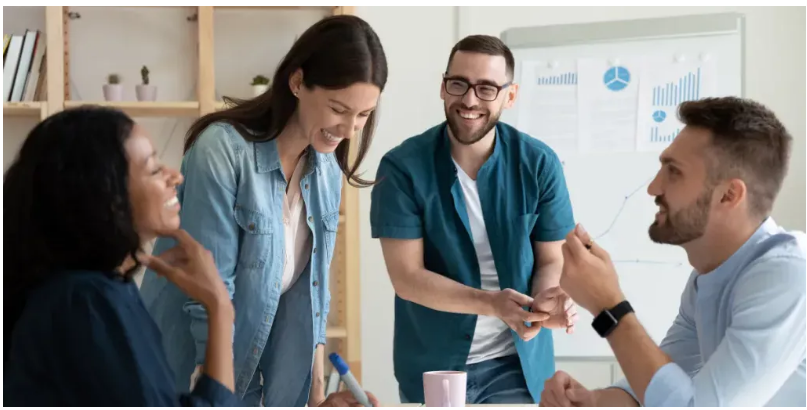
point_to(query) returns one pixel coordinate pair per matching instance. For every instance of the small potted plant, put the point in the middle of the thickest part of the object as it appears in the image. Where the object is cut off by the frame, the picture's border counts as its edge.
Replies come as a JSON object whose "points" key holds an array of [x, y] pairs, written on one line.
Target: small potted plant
{"points": [[146, 91], [259, 85], [113, 90]]}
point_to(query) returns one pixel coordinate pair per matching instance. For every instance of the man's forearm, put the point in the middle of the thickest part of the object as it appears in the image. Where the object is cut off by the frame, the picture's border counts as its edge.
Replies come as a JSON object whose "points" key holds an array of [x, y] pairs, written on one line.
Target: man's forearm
{"points": [[613, 397], [437, 292], [546, 276], [637, 354]]}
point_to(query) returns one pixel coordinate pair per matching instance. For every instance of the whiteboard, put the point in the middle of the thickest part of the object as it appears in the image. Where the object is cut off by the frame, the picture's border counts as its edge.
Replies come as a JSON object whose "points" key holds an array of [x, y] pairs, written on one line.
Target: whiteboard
{"points": [[609, 190]]}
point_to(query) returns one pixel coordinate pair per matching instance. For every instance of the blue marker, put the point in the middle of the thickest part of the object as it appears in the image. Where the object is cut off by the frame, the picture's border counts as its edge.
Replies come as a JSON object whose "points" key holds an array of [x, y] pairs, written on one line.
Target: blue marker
{"points": [[350, 381]]}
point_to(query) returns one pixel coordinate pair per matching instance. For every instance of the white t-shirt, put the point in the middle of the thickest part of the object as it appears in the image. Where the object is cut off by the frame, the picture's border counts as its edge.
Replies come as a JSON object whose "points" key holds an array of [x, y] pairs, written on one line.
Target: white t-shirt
{"points": [[298, 235], [492, 337]]}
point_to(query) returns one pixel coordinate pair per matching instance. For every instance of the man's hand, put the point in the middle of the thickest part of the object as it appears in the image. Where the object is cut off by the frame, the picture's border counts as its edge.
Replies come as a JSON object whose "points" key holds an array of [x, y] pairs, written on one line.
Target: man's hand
{"points": [[560, 308], [346, 399], [561, 390], [508, 305], [588, 275]]}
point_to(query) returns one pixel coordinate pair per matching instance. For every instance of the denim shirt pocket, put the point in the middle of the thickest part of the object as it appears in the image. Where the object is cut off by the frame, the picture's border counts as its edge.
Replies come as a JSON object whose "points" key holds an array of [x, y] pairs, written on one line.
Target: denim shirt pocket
{"points": [[256, 228]]}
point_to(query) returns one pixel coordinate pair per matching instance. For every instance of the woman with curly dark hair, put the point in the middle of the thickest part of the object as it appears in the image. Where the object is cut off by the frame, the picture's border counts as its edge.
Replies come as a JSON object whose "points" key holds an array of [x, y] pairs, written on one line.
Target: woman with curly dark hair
{"points": [[84, 193]]}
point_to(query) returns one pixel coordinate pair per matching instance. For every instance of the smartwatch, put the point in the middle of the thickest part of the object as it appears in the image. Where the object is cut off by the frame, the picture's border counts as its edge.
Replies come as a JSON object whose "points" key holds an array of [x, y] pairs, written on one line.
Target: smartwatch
{"points": [[608, 319]]}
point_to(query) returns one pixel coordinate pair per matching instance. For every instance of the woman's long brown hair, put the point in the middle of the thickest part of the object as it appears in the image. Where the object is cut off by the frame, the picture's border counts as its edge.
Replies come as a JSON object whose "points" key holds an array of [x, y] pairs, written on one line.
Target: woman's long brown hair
{"points": [[334, 53]]}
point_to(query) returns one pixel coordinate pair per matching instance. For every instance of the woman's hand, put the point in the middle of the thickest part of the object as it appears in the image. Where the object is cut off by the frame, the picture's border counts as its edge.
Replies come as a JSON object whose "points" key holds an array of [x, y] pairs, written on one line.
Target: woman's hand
{"points": [[191, 268]]}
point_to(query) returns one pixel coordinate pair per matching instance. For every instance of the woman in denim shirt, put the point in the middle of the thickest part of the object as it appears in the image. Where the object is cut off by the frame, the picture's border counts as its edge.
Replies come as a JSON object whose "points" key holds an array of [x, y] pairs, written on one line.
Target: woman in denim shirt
{"points": [[262, 188]]}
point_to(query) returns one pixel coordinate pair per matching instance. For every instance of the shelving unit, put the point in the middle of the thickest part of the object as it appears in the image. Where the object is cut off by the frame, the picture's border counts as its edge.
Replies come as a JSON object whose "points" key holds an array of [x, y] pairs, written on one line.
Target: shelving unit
{"points": [[344, 331], [147, 108], [25, 109]]}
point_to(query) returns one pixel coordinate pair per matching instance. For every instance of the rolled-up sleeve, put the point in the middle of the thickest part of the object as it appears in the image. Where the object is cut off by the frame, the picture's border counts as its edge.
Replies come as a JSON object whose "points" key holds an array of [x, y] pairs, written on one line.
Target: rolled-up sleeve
{"points": [[555, 216], [394, 212]]}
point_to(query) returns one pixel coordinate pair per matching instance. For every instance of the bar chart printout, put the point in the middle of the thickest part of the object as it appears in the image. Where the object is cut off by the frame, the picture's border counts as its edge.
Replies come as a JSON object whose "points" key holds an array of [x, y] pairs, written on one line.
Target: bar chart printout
{"points": [[668, 83], [547, 103], [687, 88]]}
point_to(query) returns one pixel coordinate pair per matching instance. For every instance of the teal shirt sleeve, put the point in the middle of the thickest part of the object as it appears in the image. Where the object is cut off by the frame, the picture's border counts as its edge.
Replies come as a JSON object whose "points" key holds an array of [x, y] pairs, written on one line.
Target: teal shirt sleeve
{"points": [[208, 200], [555, 216], [394, 213]]}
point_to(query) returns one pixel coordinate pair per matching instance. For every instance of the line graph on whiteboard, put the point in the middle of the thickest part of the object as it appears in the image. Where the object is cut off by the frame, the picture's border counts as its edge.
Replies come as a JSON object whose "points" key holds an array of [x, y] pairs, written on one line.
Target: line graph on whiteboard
{"points": [[620, 215]]}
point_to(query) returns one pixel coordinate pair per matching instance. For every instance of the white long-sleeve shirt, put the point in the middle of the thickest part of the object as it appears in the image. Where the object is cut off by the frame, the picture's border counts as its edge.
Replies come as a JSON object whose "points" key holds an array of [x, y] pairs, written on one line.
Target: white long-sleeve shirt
{"points": [[739, 338]]}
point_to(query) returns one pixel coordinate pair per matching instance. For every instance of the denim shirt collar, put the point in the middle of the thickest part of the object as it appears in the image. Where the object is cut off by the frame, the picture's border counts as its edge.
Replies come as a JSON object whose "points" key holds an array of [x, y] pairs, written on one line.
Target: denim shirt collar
{"points": [[267, 158]]}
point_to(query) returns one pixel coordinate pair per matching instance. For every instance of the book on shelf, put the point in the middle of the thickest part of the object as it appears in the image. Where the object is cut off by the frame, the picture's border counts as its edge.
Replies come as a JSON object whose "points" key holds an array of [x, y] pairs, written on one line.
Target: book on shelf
{"points": [[24, 68]]}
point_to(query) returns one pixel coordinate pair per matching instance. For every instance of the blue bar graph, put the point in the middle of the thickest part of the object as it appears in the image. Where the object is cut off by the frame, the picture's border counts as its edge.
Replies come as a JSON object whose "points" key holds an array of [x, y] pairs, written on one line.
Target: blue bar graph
{"points": [[687, 88], [561, 79], [655, 136]]}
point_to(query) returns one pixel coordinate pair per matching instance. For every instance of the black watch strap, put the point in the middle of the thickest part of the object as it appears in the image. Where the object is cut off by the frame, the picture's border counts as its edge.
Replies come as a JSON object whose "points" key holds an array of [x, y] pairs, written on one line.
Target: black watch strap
{"points": [[608, 319]]}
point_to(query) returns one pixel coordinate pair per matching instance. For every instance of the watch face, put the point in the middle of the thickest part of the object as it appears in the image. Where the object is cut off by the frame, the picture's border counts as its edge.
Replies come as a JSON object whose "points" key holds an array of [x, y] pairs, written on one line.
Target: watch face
{"points": [[604, 323]]}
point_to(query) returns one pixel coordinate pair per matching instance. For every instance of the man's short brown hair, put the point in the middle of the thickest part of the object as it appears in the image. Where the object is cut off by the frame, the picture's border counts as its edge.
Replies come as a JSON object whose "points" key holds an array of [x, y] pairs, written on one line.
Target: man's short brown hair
{"points": [[483, 44], [748, 142]]}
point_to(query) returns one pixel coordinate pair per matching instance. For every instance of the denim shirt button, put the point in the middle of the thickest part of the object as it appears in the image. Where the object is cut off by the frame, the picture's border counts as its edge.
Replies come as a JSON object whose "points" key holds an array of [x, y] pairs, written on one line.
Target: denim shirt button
{"points": [[306, 186], [317, 314], [310, 219], [251, 226], [316, 283], [315, 250]]}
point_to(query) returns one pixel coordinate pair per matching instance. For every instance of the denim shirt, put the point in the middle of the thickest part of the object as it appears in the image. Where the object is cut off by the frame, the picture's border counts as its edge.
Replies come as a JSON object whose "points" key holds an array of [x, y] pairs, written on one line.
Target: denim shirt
{"points": [[231, 202]]}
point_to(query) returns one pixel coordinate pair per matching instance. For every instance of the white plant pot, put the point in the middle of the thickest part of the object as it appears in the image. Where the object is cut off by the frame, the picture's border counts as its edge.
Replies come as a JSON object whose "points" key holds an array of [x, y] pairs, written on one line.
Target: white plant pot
{"points": [[113, 92], [259, 89], [146, 92]]}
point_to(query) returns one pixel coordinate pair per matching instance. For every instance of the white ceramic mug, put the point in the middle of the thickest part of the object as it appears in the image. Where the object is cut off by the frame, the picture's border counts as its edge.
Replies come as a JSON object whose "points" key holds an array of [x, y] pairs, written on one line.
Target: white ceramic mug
{"points": [[444, 388]]}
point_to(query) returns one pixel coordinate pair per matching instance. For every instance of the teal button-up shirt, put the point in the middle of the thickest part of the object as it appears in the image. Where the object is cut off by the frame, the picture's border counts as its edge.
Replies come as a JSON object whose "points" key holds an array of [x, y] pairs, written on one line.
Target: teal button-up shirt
{"points": [[524, 199]]}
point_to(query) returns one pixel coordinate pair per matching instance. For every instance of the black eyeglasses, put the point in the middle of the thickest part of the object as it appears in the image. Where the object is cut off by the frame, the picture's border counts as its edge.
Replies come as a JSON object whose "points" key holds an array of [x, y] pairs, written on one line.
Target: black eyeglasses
{"points": [[485, 92]]}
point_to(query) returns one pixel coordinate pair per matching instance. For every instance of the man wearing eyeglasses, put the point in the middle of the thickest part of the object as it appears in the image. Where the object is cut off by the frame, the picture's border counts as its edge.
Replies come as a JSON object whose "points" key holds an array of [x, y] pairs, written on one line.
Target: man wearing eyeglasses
{"points": [[471, 215]]}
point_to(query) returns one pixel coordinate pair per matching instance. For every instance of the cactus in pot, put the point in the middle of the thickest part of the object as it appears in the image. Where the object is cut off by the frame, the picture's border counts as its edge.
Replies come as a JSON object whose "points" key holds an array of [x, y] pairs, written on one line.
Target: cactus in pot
{"points": [[113, 90], [146, 91], [260, 84]]}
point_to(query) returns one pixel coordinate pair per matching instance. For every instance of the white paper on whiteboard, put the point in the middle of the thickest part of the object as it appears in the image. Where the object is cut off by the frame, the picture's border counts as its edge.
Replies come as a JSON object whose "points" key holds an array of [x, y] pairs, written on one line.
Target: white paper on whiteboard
{"points": [[666, 84], [547, 104], [607, 98]]}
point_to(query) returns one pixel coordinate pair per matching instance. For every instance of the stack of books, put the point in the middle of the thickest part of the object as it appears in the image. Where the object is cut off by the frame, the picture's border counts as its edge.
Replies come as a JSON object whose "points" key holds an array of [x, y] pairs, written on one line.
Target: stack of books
{"points": [[24, 66]]}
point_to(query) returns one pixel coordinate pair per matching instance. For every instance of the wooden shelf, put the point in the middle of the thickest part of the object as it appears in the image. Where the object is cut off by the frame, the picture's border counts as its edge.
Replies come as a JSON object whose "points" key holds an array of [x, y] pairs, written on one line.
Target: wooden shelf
{"points": [[219, 105], [24, 109], [335, 332], [146, 108]]}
